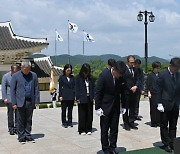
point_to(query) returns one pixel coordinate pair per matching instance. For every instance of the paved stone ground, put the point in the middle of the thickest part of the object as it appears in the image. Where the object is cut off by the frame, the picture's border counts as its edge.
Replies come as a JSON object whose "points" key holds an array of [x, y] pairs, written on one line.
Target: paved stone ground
{"points": [[52, 138]]}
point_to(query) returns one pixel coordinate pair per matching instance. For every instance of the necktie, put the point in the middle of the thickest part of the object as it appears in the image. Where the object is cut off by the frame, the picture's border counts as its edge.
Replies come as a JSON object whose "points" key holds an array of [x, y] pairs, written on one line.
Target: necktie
{"points": [[173, 78], [131, 71], [114, 80]]}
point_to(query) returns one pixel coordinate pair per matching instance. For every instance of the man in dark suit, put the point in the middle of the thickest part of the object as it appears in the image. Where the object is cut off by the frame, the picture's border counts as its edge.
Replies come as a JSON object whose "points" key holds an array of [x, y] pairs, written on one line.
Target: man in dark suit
{"points": [[24, 98], [132, 85], [140, 90], [6, 96], [111, 63], [168, 102], [109, 87], [152, 93]]}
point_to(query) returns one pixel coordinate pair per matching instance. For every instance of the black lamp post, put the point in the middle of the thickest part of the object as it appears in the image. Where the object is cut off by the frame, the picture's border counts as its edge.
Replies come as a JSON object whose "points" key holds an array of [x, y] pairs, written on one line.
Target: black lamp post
{"points": [[151, 19]]}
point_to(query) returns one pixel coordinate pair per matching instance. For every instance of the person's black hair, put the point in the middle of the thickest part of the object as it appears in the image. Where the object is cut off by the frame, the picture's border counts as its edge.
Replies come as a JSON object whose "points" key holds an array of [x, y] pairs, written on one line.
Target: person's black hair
{"points": [[175, 62], [120, 67], [138, 61], [13, 67], [111, 62], [156, 64], [130, 56], [66, 67], [85, 69]]}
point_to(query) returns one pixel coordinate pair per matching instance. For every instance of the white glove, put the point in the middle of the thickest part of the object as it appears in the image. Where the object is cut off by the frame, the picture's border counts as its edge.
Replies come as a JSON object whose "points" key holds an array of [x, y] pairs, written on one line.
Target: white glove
{"points": [[160, 108], [122, 110], [99, 112]]}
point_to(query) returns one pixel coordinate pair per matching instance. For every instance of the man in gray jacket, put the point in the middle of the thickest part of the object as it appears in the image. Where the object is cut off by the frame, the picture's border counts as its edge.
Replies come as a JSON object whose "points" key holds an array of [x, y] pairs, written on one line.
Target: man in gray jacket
{"points": [[25, 96], [11, 113]]}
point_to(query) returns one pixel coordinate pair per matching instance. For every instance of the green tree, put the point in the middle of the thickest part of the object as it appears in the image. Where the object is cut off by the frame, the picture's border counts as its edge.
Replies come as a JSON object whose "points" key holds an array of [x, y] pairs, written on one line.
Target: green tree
{"points": [[96, 68], [76, 69]]}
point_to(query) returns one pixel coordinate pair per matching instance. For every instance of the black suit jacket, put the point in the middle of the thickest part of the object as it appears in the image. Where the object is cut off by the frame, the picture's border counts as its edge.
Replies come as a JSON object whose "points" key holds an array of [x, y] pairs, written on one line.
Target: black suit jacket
{"points": [[140, 76], [168, 92], [152, 83], [81, 91], [107, 95], [130, 80], [67, 89]]}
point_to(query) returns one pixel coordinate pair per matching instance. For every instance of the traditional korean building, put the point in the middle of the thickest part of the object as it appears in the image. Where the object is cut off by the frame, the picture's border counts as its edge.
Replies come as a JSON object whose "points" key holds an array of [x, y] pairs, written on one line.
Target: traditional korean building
{"points": [[42, 67], [14, 48]]}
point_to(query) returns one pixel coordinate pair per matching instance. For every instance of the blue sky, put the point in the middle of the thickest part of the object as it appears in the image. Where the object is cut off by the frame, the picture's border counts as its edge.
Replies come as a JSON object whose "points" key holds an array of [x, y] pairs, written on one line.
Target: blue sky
{"points": [[112, 23]]}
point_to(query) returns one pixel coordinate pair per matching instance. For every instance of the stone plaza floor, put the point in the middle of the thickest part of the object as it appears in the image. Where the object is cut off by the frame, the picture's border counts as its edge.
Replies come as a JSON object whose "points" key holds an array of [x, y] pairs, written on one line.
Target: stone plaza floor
{"points": [[52, 138]]}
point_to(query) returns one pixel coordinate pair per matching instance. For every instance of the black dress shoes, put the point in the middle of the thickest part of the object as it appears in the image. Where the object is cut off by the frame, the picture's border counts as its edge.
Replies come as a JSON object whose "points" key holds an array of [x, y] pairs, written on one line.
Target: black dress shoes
{"points": [[133, 127], [138, 118], [107, 152], [110, 152], [154, 125], [158, 124], [70, 125], [11, 132], [65, 125], [171, 146], [168, 149], [113, 152], [127, 127]]}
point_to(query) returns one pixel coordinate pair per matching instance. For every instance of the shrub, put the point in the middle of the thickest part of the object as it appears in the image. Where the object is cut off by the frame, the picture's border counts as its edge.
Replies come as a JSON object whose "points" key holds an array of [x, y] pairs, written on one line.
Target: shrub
{"points": [[42, 106]]}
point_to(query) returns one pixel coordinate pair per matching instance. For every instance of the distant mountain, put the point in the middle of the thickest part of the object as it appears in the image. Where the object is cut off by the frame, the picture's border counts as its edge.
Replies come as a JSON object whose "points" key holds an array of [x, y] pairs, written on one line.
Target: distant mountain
{"points": [[37, 56], [80, 59]]}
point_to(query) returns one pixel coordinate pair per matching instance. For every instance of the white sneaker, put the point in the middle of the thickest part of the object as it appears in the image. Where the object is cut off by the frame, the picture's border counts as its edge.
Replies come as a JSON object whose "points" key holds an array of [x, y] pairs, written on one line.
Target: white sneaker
{"points": [[89, 133], [22, 142], [83, 133], [31, 140]]}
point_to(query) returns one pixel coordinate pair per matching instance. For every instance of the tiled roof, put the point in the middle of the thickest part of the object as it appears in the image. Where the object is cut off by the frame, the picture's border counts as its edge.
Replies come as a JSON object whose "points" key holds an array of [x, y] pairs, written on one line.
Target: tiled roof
{"points": [[10, 41], [42, 67]]}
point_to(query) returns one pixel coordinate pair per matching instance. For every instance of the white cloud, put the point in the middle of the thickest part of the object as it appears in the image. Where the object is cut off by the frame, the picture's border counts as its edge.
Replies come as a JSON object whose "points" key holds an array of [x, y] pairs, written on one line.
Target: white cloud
{"points": [[113, 24], [170, 17], [18, 17]]}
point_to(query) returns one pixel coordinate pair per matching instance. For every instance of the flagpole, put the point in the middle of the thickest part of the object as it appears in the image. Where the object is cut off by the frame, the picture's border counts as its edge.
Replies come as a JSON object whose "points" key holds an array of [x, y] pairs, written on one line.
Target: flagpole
{"points": [[68, 45], [83, 47], [55, 47], [83, 43]]}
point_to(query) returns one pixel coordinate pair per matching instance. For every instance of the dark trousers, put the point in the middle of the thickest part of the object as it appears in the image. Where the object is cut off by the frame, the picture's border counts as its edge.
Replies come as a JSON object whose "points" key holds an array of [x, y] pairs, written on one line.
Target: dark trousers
{"points": [[129, 116], [67, 104], [25, 120], [85, 117], [12, 118], [168, 118], [154, 113], [110, 122], [137, 104]]}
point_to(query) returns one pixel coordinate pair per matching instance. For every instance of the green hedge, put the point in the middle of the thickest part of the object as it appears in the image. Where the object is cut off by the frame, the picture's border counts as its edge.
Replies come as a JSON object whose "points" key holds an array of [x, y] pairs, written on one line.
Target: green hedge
{"points": [[50, 105]]}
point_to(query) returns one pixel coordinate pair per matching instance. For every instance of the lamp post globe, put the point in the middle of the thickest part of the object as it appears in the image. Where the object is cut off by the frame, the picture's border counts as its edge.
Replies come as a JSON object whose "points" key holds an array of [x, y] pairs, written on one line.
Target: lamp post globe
{"points": [[139, 17], [151, 17]]}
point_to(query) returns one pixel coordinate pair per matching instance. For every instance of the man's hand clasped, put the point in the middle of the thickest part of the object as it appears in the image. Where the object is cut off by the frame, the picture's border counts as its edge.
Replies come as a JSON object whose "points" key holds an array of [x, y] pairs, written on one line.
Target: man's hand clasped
{"points": [[99, 112], [160, 108], [122, 110], [133, 89]]}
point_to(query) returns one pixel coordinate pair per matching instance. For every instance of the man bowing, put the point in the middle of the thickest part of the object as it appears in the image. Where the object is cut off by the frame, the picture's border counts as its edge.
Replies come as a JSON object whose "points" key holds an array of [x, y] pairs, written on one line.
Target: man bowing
{"points": [[109, 92]]}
